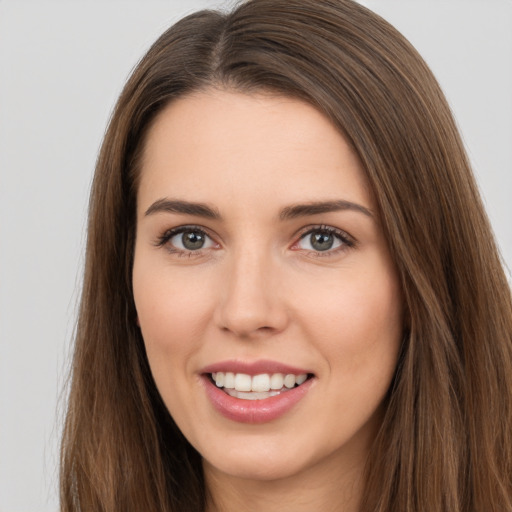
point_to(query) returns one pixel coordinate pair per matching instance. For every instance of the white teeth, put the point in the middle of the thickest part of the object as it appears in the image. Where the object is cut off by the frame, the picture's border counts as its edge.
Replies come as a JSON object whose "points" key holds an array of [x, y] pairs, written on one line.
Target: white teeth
{"points": [[300, 379], [229, 380], [252, 395], [289, 381], [262, 383], [219, 379], [277, 381], [243, 382]]}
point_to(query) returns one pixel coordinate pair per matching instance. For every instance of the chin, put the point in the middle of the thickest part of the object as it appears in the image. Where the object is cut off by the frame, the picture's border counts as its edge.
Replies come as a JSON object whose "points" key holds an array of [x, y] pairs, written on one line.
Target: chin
{"points": [[268, 458], [257, 467]]}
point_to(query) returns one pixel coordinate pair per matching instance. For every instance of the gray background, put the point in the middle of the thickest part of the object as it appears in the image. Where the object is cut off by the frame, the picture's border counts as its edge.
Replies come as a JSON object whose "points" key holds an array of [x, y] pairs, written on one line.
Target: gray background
{"points": [[62, 65]]}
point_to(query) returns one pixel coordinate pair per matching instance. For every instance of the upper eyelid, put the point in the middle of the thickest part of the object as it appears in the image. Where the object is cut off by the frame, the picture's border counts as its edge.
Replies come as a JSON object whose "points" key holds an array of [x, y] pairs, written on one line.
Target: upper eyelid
{"points": [[325, 227], [187, 227]]}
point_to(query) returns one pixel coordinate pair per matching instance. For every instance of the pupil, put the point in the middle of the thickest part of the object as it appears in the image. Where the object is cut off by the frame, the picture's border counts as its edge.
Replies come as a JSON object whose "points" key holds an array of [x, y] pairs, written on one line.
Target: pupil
{"points": [[192, 240], [321, 241]]}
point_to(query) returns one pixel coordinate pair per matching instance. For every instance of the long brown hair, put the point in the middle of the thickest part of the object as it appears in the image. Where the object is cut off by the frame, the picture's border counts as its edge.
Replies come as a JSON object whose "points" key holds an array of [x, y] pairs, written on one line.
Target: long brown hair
{"points": [[446, 439]]}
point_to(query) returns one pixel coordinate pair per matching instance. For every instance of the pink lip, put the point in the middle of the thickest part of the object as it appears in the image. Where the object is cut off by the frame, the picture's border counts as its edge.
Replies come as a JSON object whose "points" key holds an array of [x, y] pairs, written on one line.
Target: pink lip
{"points": [[253, 411], [252, 367]]}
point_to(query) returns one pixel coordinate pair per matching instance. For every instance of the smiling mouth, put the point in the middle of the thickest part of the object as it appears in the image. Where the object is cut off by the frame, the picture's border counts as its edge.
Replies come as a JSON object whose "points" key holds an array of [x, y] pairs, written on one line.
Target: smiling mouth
{"points": [[257, 387]]}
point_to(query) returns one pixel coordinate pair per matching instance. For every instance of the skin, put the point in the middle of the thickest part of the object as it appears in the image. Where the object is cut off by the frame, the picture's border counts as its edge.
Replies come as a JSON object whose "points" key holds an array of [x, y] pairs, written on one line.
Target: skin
{"points": [[259, 290]]}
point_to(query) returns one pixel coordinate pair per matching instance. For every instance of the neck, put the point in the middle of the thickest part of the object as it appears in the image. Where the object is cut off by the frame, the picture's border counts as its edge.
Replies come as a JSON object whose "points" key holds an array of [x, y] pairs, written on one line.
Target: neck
{"points": [[329, 488]]}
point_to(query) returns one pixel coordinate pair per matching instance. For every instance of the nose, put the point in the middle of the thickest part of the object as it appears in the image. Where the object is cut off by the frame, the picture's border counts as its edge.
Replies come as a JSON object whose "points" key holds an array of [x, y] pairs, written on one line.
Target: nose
{"points": [[250, 301]]}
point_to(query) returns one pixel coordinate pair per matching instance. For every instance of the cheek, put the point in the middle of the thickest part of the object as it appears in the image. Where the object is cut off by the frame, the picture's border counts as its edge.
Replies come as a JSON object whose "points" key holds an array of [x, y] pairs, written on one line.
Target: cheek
{"points": [[358, 332], [355, 304], [356, 321], [374, 317], [171, 316], [171, 312]]}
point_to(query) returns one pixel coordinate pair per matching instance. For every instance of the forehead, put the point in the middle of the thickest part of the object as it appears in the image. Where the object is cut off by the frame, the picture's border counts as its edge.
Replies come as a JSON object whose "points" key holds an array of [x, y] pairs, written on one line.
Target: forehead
{"points": [[226, 147]]}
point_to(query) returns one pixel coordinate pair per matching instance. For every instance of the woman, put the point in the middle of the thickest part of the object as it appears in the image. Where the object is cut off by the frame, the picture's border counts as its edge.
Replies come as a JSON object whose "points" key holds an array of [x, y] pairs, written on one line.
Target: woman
{"points": [[292, 296]]}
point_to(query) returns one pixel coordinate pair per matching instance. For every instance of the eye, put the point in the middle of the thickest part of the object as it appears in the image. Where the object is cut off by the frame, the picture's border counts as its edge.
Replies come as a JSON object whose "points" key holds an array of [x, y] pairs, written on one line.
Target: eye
{"points": [[186, 239], [324, 239], [190, 240]]}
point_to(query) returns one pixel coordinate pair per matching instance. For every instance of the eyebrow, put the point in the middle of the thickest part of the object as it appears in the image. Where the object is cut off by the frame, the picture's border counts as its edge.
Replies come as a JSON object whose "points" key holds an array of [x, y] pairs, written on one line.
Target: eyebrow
{"points": [[185, 207], [315, 208], [287, 213]]}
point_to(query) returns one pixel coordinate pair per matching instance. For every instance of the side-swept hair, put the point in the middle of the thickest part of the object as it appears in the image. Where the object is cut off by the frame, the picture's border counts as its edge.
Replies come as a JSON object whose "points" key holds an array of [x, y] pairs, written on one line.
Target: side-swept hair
{"points": [[445, 444]]}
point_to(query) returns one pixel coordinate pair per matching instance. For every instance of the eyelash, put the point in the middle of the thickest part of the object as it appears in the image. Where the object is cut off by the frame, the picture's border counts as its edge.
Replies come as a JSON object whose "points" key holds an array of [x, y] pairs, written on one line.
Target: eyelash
{"points": [[347, 242]]}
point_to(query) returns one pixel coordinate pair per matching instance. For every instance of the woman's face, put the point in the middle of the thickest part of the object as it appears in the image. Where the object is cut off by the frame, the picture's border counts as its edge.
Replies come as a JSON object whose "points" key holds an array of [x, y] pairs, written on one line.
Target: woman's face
{"points": [[260, 262]]}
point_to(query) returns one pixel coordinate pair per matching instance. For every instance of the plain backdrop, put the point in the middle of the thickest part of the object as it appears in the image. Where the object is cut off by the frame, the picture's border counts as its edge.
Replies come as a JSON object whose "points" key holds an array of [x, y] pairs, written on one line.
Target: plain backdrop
{"points": [[62, 65]]}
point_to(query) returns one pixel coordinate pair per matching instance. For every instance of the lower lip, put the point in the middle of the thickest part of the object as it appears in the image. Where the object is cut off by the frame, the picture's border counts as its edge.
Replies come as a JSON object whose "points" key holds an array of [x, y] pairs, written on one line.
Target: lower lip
{"points": [[254, 411]]}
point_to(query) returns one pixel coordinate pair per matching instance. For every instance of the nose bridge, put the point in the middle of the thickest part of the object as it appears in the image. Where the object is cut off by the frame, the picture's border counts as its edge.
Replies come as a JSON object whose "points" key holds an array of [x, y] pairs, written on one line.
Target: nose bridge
{"points": [[249, 300]]}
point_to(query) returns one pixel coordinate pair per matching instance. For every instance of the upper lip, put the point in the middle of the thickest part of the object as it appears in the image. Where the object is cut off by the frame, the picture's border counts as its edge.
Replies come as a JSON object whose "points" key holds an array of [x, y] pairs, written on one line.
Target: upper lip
{"points": [[253, 367]]}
